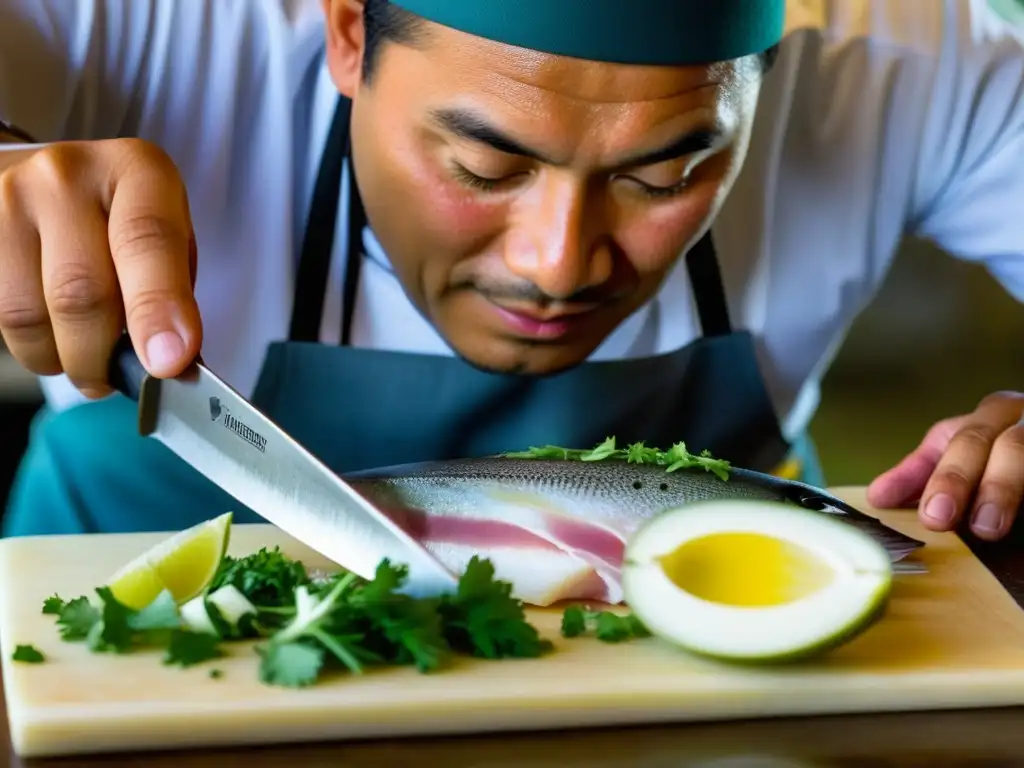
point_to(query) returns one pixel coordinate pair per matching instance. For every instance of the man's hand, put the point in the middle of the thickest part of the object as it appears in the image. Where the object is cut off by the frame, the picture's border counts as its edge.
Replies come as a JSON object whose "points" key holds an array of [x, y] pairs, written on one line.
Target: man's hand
{"points": [[967, 467], [94, 237]]}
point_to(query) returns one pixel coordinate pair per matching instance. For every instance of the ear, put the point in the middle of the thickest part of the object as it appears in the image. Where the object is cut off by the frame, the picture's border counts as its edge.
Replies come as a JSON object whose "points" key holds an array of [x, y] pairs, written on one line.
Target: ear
{"points": [[346, 40]]}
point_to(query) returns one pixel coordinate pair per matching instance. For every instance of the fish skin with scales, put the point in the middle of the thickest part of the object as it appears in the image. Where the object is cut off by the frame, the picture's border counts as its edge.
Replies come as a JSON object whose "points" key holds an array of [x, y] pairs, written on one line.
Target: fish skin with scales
{"points": [[585, 509]]}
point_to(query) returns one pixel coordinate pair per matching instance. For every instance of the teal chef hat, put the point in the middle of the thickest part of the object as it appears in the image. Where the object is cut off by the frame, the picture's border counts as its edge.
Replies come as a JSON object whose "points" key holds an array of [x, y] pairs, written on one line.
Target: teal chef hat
{"points": [[665, 32]]}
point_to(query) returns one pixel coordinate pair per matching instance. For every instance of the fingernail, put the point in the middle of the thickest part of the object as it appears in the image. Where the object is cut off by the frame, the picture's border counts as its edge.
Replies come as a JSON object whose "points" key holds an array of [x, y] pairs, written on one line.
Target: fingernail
{"points": [[164, 350], [941, 508], [989, 519]]}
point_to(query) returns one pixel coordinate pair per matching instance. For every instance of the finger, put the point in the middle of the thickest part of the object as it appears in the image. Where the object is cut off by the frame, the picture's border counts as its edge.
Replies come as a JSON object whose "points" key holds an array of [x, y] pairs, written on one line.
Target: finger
{"points": [[948, 493], [904, 483], [1002, 486], [24, 322], [82, 294], [150, 230]]}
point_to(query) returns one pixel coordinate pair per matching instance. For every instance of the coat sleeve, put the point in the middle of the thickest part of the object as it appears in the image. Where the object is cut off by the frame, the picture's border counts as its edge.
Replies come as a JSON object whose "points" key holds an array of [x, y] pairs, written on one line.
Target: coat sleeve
{"points": [[969, 196]]}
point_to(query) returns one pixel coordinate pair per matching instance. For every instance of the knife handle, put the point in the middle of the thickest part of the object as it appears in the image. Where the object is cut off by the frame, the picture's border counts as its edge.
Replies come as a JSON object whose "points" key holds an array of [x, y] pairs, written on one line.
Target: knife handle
{"points": [[126, 372]]}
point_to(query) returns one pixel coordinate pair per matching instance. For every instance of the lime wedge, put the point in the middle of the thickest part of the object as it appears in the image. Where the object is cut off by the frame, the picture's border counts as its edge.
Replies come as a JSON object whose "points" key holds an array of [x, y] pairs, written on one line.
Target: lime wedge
{"points": [[184, 564]]}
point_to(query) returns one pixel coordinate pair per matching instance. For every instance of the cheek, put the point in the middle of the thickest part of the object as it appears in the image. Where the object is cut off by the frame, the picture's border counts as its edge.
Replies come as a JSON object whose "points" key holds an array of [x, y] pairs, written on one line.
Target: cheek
{"points": [[653, 239], [448, 214]]}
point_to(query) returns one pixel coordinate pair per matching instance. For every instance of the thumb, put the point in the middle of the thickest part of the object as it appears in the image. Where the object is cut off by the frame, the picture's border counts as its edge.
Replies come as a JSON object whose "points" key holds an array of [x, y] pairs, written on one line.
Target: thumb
{"points": [[903, 484]]}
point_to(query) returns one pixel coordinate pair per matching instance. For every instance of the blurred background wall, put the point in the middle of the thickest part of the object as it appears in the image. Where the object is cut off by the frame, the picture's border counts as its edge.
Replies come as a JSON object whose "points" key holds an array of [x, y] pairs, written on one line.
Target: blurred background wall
{"points": [[940, 335]]}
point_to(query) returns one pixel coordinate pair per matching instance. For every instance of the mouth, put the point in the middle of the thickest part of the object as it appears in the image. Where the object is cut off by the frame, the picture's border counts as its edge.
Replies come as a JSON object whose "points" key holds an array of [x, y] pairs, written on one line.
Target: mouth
{"points": [[534, 323]]}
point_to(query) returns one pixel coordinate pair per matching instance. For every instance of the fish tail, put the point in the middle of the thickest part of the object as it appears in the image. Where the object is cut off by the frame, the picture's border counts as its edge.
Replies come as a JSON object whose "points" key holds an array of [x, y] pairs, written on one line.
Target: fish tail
{"points": [[896, 543]]}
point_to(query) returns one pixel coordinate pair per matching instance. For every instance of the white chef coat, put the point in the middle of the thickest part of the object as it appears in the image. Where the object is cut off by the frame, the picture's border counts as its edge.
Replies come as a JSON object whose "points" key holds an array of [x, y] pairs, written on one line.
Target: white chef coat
{"points": [[882, 118]]}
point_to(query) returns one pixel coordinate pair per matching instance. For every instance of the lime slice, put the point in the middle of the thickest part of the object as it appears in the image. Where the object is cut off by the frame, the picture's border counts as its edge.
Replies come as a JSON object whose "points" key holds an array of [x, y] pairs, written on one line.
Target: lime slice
{"points": [[754, 581], [184, 564]]}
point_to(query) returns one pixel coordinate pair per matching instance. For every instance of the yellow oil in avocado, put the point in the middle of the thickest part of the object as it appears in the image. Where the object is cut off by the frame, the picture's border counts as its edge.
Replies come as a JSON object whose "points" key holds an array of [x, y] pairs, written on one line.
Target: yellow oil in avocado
{"points": [[746, 569]]}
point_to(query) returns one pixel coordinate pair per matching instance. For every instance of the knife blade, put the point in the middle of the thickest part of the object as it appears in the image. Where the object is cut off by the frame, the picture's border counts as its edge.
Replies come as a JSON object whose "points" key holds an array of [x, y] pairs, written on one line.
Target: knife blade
{"points": [[211, 427]]}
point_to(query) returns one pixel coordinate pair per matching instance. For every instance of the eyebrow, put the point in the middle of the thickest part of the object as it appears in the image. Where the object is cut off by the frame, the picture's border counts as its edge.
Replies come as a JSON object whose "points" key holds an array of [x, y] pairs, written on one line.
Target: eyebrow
{"points": [[471, 127]]}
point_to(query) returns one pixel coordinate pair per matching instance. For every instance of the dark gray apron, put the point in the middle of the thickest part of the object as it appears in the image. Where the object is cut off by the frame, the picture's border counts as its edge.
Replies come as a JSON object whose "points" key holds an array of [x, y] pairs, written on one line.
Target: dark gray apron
{"points": [[88, 470]]}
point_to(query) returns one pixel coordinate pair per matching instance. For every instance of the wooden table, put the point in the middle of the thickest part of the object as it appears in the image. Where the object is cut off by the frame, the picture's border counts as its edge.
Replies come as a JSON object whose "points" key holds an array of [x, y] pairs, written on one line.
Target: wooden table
{"points": [[977, 738]]}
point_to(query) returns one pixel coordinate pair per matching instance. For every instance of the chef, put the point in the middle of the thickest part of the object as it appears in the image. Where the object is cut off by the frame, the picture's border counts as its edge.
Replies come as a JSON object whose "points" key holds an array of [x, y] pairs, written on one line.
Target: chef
{"points": [[424, 229]]}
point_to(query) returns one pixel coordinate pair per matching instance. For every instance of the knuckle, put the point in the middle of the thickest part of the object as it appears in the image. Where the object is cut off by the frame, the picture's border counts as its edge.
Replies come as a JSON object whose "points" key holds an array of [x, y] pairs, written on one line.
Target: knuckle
{"points": [[998, 489], [134, 155], [1001, 397], [9, 194], [141, 235], [147, 305], [21, 311], [57, 166], [74, 292], [953, 479], [1011, 442], [976, 435]]}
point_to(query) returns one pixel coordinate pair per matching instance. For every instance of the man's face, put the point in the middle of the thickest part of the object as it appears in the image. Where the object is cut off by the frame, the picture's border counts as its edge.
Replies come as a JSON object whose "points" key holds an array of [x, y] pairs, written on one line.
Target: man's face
{"points": [[530, 203]]}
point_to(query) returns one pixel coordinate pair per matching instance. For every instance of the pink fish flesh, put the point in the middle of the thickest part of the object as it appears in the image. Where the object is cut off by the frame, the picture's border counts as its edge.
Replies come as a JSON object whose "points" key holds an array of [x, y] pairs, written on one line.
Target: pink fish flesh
{"points": [[557, 530]]}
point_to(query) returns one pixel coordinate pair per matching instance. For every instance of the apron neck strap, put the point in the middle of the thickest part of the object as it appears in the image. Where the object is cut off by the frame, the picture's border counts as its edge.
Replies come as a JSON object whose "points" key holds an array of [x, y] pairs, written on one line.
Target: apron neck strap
{"points": [[708, 288], [311, 280], [318, 244]]}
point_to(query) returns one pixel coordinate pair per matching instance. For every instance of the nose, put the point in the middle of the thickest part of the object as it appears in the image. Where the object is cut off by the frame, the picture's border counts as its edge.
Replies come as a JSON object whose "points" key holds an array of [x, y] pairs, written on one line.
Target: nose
{"points": [[555, 240]]}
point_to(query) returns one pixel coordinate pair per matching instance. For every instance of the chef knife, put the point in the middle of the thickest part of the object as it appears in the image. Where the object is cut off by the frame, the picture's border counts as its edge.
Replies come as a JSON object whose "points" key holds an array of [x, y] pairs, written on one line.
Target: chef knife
{"points": [[226, 438]]}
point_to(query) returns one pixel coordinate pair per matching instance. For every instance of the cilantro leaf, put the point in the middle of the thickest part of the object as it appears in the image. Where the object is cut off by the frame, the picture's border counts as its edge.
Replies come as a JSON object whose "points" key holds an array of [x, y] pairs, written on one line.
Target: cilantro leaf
{"points": [[53, 605], [674, 459], [28, 654], [187, 648], [290, 664], [605, 450], [77, 619], [359, 622], [411, 627], [574, 621], [612, 628], [483, 619], [266, 577], [320, 623], [309, 625], [609, 627], [112, 626], [113, 632]]}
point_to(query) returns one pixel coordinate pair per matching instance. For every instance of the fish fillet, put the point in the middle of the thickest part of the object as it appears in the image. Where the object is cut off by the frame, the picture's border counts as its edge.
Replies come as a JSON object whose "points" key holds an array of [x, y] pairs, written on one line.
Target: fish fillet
{"points": [[557, 530]]}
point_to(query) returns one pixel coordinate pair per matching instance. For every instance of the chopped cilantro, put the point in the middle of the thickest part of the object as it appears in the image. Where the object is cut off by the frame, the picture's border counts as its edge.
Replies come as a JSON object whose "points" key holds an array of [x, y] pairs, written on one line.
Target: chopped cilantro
{"points": [[117, 628], [675, 458], [574, 621], [405, 630], [608, 627], [483, 619], [358, 623], [53, 605], [216, 674], [28, 654], [76, 618], [112, 626], [290, 665], [187, 649], [266, 577], [308, 627]]}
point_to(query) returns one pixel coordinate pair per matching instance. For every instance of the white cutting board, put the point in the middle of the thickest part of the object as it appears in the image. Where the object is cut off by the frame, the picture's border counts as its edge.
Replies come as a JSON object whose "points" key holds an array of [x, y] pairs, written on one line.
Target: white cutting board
{"points": [[953, 638]]}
